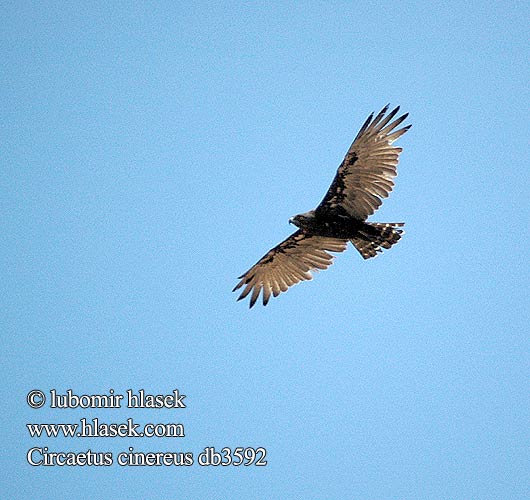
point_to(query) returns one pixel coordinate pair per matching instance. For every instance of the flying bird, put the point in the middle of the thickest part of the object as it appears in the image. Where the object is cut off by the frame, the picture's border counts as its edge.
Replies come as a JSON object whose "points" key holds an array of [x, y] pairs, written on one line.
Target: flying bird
{"points": [[363, 179]]}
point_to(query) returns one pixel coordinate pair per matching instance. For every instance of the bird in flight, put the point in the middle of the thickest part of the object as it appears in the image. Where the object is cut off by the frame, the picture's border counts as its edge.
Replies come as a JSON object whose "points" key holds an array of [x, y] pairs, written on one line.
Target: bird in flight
{"points": [[364, 177]]}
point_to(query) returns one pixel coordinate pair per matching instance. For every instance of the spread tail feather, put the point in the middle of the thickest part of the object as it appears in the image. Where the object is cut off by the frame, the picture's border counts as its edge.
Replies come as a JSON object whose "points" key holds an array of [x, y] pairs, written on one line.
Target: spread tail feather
{"points": [[374, 236]]}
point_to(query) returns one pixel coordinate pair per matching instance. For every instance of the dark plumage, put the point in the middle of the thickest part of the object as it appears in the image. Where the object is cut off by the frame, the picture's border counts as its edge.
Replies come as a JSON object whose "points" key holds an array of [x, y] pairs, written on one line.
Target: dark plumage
{"points": [[363, 179]]}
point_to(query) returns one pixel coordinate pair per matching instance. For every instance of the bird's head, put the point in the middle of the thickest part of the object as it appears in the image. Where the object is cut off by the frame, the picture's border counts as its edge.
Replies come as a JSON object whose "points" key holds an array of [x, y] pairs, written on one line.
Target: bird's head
{"points": [[303, 221]]}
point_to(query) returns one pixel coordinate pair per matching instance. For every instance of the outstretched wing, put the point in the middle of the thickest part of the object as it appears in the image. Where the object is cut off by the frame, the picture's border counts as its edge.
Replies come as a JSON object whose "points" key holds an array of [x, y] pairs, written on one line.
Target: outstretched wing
{"points": [[287, 264], [366, 173]]}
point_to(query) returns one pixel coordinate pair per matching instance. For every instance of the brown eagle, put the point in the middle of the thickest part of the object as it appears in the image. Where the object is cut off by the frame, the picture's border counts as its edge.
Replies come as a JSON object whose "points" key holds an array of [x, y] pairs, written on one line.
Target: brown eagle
{"points": [[362, 180]]}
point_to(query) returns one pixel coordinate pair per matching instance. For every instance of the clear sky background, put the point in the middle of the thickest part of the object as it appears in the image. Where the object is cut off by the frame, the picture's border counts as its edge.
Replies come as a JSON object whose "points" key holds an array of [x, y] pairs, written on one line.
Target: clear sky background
{"points": [[153, 151]]}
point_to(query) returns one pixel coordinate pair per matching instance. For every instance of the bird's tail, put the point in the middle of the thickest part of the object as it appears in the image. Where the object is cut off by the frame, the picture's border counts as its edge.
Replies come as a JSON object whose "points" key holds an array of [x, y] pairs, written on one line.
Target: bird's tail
{"points": [[374, 236]]}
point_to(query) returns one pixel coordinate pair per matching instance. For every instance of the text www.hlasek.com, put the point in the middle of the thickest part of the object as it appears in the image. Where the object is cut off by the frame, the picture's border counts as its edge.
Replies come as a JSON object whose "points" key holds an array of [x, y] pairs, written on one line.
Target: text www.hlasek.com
{"points": [[95, 428]]}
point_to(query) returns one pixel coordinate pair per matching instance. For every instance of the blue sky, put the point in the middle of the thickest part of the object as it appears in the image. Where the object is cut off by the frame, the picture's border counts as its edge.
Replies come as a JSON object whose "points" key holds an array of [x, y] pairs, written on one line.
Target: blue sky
{"points": [[152, 152]]}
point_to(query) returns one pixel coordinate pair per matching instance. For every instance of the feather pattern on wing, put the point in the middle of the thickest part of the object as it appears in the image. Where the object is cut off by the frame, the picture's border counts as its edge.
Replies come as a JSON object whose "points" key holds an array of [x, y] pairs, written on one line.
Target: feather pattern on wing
{"points": [[366, 174], [287, 264]]}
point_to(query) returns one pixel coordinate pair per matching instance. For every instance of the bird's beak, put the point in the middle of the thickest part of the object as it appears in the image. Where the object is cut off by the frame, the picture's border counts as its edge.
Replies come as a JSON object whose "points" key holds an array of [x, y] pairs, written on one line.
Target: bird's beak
{"points": [[291, 221]]}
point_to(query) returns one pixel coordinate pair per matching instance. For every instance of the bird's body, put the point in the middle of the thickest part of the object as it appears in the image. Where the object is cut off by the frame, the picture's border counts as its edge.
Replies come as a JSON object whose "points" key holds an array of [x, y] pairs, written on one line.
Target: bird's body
{"points": [[362, 180], [328, 223]]}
